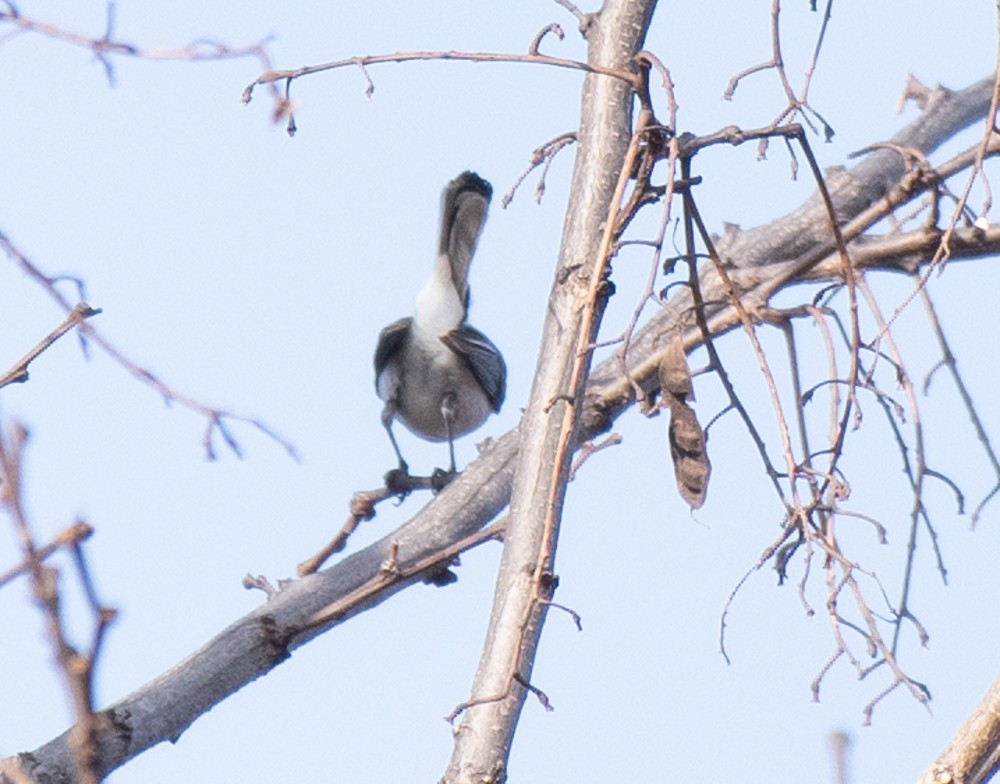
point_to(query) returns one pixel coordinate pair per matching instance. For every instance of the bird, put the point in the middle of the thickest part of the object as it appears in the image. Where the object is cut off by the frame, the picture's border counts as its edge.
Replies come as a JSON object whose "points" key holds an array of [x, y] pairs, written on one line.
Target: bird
{"points": [[434, 372]]}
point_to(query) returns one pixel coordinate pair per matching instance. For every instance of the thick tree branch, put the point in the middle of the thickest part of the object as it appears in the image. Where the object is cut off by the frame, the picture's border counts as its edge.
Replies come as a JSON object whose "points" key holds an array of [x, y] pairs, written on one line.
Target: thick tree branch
{"points": [[526, 580], [855, 190], [164, 708], [973, 755]]}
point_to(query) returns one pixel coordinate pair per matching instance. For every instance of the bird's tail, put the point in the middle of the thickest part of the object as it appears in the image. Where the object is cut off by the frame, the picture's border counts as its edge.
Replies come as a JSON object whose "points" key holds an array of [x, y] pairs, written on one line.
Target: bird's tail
{"points": [[464, 204]]}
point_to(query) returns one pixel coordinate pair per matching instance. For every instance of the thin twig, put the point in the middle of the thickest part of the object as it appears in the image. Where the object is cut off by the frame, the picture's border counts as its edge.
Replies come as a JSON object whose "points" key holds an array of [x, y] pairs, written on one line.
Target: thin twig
{"points": [[197, 51], [19, 373], [948, 359], [69, 537], [395, 574], [362, 508], [541, 156], [288, 76]]}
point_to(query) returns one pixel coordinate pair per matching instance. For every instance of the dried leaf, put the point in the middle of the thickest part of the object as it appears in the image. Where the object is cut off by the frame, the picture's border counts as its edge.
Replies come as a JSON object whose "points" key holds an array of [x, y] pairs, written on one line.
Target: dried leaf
{"points": [[684, 434], [687, 449], [675, 376]]}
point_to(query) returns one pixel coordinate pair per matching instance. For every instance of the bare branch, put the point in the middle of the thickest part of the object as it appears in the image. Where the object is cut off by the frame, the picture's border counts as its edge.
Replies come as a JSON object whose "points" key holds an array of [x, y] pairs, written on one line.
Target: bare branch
{"points": [[68, 538], [532, 58], [362, 508], [107, 45], [19, 373], [77, 667], [948, 359], [216, 418], [585, 20], [294, 615], [542, 156]]}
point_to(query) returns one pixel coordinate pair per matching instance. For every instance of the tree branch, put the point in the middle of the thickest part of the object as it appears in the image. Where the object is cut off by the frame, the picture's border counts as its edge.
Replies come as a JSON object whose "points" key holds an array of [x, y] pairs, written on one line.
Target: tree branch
{"points": [[785, 249], [166, 706], [107, 44], [973, 755], [19, 373], [526, 580]]}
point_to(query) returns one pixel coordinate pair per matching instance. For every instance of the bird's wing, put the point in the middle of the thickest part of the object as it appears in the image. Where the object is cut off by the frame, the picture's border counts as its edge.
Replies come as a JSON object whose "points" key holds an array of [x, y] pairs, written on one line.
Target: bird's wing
{"points": [[483, 360], [390, 340]]}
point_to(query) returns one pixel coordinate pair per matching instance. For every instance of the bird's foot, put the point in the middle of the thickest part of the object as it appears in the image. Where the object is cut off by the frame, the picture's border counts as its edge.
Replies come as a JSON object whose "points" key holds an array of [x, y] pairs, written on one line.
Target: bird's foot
{"points": [[399, 482], [440, 479], [441, 577]]}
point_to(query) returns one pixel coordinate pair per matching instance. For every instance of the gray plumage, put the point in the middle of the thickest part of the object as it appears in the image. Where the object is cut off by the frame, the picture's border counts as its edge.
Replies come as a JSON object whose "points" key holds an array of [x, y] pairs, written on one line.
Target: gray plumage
{"points": [[438, 375]]}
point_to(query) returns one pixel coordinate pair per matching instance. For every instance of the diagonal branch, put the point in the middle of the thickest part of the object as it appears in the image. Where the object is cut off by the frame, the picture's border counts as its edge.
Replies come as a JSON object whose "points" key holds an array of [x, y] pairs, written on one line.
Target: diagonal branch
{"points": [[19, 373], [973, 756], [216, 418]]}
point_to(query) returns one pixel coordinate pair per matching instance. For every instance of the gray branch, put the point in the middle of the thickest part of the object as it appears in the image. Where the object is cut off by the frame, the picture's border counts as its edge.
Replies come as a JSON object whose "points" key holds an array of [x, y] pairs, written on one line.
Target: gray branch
{"points": [[973, 756]]}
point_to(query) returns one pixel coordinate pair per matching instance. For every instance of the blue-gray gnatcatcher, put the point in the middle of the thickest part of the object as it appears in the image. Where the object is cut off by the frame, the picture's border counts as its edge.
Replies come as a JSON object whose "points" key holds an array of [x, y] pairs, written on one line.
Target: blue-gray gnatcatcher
{"points": [[436, 374]]}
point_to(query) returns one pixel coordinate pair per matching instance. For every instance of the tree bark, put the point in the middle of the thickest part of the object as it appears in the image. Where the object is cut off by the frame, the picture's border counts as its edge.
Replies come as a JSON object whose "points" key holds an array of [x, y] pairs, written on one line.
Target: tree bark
{"points": [[973, 756], [526, 580]]}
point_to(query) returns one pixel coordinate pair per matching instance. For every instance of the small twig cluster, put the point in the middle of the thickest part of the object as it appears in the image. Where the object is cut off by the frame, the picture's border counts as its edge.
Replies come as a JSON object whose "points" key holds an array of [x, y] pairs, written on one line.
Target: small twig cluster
{"points": [[362, 508], [811, 518], [811, 485], [798, 103]]}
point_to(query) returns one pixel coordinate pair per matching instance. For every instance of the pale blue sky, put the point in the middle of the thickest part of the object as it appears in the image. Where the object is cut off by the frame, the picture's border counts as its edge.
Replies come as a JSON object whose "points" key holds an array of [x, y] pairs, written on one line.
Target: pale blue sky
{"points": [[254, 271]]}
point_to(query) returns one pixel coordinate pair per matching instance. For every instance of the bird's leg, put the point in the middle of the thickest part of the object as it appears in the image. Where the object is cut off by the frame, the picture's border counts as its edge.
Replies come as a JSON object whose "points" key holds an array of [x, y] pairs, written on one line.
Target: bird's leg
{"points": [[398, 479], [441, 478], [403, 465], [448, 414]]}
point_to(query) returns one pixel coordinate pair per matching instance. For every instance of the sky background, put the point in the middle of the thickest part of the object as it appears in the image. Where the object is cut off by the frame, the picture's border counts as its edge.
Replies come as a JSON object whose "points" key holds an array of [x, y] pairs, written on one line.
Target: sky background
{"points": [[253, 272]]}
